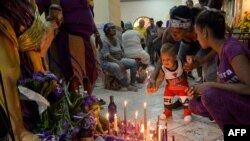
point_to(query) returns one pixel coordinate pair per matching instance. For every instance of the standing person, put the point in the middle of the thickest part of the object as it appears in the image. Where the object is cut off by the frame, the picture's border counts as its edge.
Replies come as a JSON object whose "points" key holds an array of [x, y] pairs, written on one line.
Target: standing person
{"points": [[131, 40], [151, 35], [182, 29], [173, 73], [21, 31], [142, 30], [73, 56], [158, 40], [113, 59], [227, 100]]}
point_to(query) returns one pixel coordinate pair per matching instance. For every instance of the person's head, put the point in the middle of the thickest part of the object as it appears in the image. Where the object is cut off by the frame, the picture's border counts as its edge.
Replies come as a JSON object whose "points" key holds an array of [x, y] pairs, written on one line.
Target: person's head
{"points": [[109, 29], [190, 3], [168, 55], [128, 26], [210, 26], [141, 23], [159, 23], [217, 4], [122, 24], [152, 22], [181, 21], [203, 3]]}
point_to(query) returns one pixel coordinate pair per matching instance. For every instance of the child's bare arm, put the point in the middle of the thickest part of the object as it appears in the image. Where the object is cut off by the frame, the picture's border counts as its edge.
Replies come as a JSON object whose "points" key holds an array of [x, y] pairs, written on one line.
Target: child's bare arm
{"points": [[159, 79]]}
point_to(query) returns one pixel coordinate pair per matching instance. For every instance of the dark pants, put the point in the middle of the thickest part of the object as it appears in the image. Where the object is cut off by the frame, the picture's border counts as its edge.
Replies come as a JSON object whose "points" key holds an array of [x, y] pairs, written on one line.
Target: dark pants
{"points": [[225, 107]]}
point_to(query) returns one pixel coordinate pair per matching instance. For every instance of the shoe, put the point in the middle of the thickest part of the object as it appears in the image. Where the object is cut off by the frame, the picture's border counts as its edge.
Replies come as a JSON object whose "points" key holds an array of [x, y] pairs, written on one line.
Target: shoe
{"points": [[187, 118], [136, 85], [132, 88]]}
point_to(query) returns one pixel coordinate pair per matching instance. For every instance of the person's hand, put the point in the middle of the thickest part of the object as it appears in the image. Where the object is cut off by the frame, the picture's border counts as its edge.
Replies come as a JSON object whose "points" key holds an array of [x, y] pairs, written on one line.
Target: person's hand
{"points": [[151, 87], [191, 92], [189, 67], [98, 41], [196, 90]]}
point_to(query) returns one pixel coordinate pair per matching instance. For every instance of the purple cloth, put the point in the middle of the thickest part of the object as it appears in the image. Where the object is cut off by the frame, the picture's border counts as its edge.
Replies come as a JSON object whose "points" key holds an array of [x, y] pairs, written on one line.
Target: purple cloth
{"points": [[77, 15], [232, 48], [78, 20], [225, 107]]}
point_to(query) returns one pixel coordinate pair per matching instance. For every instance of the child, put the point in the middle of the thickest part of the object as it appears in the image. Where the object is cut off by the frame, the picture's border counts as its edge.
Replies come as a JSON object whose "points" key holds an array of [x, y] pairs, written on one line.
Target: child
{"points": [[177, 83]]}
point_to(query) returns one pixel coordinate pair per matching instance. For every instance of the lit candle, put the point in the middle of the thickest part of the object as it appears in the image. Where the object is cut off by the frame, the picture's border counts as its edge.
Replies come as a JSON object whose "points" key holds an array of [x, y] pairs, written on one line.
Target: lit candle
{"points": [[147, 136], [108, 123], [136, 127], [115, 123], [142, 132], [148, 76], [125, 117], [145, 119]]}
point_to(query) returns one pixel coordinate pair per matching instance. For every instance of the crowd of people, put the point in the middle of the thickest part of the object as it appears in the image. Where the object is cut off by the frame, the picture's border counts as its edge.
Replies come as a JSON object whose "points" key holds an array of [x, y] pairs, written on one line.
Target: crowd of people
{"points": [[193, 39]]}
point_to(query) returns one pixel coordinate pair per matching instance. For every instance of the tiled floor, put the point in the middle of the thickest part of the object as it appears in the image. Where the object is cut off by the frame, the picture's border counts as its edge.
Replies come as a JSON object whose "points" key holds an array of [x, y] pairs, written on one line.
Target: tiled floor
{"points": [[199, 129]]}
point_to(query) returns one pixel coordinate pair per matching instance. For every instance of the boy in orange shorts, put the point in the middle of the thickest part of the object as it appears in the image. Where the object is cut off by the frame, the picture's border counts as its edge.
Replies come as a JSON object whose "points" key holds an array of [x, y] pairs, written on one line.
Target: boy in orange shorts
{"points": [[172, 72]]}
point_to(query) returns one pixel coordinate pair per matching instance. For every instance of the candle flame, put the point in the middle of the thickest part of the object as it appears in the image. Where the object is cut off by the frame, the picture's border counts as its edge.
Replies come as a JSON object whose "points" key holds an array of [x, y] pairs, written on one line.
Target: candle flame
{"points": [[142, 128], [145, 104], [136, 114], [125, 103], [107, 115], [115, 116]]}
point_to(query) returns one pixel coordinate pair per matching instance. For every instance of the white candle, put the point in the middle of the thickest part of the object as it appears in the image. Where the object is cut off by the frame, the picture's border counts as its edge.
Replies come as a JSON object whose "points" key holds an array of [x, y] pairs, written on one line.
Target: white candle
{"points": [[125, 113], [148, 76], [136, 118], [147, 136], [145, 115], [108, 123], [145, 120], [115, 123]]}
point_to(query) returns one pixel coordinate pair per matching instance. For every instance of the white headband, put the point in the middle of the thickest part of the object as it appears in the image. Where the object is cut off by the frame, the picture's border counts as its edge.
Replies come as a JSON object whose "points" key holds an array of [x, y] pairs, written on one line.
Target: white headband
{"points": [[212, 9], [180, 23]]}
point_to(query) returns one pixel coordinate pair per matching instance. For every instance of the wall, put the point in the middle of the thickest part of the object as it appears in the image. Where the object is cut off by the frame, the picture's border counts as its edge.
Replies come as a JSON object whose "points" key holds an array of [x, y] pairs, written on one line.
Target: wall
{"points": [[101, 10], [158, 9]]}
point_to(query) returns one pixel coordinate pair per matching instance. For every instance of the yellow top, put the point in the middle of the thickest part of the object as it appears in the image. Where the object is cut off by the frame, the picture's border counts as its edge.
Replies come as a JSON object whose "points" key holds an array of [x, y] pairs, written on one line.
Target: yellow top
{"points": [[142, 31]]}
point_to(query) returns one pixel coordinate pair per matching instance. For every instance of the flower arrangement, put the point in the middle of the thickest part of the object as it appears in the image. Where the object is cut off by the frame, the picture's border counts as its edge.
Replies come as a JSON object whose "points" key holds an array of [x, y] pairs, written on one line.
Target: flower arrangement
{"points": [[70, 117], [244, 24]]}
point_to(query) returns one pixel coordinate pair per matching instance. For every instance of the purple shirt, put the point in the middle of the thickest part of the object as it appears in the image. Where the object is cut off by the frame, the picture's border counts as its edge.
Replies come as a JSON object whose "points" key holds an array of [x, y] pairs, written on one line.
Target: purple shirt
{"points": [[231, 49], [77, 15]]}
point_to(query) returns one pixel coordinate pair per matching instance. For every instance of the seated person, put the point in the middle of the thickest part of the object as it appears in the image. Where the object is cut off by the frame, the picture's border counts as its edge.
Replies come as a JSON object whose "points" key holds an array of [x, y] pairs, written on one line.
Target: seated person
{"points": [[131, 40], [113, 59]]}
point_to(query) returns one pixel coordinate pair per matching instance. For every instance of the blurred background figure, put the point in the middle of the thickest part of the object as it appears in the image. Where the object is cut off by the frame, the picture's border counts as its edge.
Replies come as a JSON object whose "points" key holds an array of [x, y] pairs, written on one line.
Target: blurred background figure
{"points": [[190, 3], [142, 30]]}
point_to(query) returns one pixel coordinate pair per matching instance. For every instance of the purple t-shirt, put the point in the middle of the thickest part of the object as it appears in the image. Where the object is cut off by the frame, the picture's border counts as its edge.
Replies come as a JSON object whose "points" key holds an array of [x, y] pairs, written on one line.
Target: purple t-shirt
{"points": [[232, 48]]}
